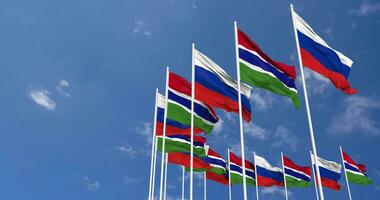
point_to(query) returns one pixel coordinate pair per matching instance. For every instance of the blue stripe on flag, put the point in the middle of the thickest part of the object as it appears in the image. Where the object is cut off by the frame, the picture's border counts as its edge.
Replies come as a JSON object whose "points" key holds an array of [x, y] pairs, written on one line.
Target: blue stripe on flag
{"points": [[350, 167], [329, 174], [277, 176], [170, 122], [296, 175]]}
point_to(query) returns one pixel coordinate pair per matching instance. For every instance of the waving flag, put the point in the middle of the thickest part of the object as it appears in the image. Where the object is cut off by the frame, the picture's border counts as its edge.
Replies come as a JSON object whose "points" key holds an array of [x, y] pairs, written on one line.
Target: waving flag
{"points": [[172, 127], [356, 173], [236, 170], [295, 175], [329, 172], [268, 175], [216, 88], [183, 159], [218, 164], [219, 178], [317, 55], [182, 143], [179, 105], [258, 69]]}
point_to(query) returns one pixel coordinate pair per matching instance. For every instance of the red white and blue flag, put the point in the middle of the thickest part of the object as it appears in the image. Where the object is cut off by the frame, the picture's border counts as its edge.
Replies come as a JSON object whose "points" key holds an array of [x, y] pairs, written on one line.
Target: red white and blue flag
{"points": [[172, 127], [329, 171], [317, 55], [268, 175], [216, 88]]}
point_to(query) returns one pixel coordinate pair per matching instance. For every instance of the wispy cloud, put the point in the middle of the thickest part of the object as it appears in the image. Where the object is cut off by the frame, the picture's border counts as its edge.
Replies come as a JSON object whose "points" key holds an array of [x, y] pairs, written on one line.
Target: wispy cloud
{"points": [[256, 131], [194, 4], [262, 100], [283, 137], [275, 191], [130, 180], [316, 83], [62, 85], [366, 8], [356, 116], [145, 130], [218, 126], [91, 185], [141, 27], [127, 149], [42, 98]]}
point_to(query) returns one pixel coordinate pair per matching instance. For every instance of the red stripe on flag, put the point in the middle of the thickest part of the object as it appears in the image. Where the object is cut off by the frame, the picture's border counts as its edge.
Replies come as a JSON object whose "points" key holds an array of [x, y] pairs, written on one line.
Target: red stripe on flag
{"points": [[184, 160], [238, 161], [171, 130], [222, 179], [268, 182], [290, 164]]}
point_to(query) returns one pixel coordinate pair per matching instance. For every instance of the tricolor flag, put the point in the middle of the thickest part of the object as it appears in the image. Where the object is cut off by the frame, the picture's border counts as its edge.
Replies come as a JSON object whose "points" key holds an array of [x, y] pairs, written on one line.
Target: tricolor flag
{"points": [[172, 127], [183, 159], [268, 175], [317, 55], [182, 143], [236, 170], [179, 105], [258, 69], [356, 173], [218, 164], [329, 172], [219, 178], [217, 89], [295, 175]]}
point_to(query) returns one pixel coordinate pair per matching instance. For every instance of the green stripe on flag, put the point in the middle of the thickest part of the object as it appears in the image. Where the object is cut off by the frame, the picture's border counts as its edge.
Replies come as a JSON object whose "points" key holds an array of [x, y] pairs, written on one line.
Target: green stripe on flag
{"points": [[177, 146], [262, 80], [358, 179], [292, 182], [181, 115], [238, 179]]}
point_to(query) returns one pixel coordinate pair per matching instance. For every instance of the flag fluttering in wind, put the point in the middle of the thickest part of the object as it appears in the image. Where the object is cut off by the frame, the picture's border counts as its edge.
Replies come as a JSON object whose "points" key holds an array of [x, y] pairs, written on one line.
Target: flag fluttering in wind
{"points": [[267, 175], [179, 105], [317, 55], [218, 164], [219, 178], [329, 172], [295, 175], [216, 88], [258, 69], [356, 173], [183, 159], [172, 127], [236, 170], [182, 143]]}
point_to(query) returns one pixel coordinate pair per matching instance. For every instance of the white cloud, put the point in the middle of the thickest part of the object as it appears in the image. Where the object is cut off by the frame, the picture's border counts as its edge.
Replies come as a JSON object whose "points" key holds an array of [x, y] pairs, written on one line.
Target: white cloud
{"points": [[366, 8], [62, 84], [91, 185], [275, 191], [41, 97], [145, 129], [315, 82], [127, 149], [129, 180], [262, 100], [283, 137], [194, 4], [141, 27], [218, 126], [356, 116], [255, 131]]}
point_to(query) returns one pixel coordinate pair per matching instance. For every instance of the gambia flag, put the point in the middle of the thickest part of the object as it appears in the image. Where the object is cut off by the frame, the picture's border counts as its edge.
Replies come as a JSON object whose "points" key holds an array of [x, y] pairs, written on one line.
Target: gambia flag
{"points": [[236, 171], [356, 173], [179, 105], [295, 175], [182, 143], [218, 164], [258, 69], [183, 159]]}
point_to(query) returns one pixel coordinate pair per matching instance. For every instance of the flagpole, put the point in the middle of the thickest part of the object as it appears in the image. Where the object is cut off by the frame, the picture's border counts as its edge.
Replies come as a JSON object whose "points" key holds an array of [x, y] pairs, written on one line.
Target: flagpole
{"points": [[154, 167], [240, 112], [283, 173], [204, 186], [166, 174], [256, 179], [164, 133], [183, 182], [345, 173], [314, 176], [314, 148], [152, 160], [229, 175], [192, 120]]}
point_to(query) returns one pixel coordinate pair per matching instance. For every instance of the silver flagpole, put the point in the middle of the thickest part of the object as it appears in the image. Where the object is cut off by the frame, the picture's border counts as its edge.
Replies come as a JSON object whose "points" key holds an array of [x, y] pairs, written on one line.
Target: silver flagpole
{"points": [[152, 160], [345, 173], [204, 186], [154, 167], [314, 148], [240, 112], [164, 134], [183, 182], [192, 121], [166, 174], [283, 173], [256, 179], [229, 176], [314, 176]]}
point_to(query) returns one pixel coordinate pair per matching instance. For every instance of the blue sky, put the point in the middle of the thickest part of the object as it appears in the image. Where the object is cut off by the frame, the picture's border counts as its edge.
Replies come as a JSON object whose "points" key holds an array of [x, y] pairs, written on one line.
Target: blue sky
{"points": [[78, 78]]}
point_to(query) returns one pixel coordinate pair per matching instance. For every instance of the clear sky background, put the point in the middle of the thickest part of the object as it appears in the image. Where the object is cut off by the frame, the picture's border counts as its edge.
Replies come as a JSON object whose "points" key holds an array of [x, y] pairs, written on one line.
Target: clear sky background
{"points": [[77, 86]]}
